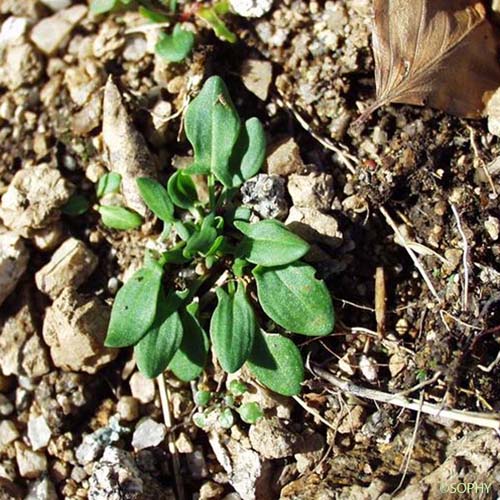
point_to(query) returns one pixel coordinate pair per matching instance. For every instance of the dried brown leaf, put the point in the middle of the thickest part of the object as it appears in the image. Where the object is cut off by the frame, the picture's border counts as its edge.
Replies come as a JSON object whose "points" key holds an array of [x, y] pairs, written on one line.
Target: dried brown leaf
{"points": [[440, 53]]}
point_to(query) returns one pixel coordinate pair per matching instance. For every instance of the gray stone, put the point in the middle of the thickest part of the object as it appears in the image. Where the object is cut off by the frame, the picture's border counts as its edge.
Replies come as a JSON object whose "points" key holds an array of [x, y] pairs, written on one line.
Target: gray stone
{"points": [[34, 198], [6, 407], [56, 5], [70, 266], [52, 33], [142, 388], [314, 190], [266, 195], [39, 432], [31, 464], [43, 489], [22, 66], [14, 258], [75, 328], [271, 438], [148, 433]]}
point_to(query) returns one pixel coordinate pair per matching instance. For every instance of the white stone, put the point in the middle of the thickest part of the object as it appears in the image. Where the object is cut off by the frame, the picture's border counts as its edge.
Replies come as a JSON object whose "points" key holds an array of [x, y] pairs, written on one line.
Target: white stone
{"points": [[6, 407], [492, 226], [369, 368], [31, 464], [251, 8], [8, 432], [148, 433], [142, 388], [13, 262], [128, 408], [43, 489], [39, 432], [56, 5], [13, 28], [51, 33]]}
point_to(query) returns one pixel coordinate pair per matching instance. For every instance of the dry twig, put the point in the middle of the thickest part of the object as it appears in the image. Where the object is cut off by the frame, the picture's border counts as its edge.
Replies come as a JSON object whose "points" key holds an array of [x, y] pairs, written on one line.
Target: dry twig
{"points": [[380, 301], [465, 258]]}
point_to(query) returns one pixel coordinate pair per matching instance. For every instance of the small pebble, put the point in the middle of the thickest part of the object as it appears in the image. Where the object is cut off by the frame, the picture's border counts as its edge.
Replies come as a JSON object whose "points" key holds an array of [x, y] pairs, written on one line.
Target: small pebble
{"points": [[148, 433], [8, 432], [6, 407], [142, 388], [128, 408], [39, 432]]}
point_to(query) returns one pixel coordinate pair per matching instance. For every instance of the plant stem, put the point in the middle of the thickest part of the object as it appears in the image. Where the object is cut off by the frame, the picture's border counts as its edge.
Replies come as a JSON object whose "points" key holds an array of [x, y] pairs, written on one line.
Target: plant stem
{"points": [[167, 418], [211, 191]]}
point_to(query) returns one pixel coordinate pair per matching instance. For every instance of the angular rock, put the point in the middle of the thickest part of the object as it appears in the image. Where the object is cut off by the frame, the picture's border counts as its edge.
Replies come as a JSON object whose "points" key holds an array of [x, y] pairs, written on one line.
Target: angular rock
{"points": [[128, 408], [89, 117], [83, 83], [70, 266], [314, 190], [75, 328], [266, 195], [34, 198], [251, 8], [43, 489], [315, 226], [12, 30], [142, 388], [21, 66], [148, 433], [49, 237], [271, 438], [52, 33], [14, 258], [116, 477], [31, 464], [39, 432], [6, 407], [248, 474], [284, 158], [8, 433], [22, 351], [257, 76], [128, 153]]}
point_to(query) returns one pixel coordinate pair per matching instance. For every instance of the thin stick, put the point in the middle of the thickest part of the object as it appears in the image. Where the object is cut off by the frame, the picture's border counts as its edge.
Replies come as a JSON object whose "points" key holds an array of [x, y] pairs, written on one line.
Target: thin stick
{"points": [[411, 253], [380, 301], [314, 413], [489, 420], [465, 258], [144, 28], [167, 417]]}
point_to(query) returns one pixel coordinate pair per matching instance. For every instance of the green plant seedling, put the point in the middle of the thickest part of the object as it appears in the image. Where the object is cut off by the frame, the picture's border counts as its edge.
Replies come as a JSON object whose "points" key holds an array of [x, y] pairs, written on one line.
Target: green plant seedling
{"points": [[219, 273]]}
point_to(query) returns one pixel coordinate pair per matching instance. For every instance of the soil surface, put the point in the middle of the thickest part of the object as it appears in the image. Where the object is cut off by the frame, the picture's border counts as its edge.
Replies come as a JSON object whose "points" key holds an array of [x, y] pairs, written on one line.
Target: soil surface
{"points": [[402, 212]]}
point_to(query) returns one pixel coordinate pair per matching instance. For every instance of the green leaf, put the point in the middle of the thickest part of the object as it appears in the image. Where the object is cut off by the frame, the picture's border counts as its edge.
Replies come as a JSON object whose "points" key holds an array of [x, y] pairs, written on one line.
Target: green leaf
{"points": [[237, 387], [226, 418], [119, 217], [212, 127], [156, 198], [217, 24], [202, 398], [158, 346], [152, 15], [293, 298], [181, 189], [108, 183], [250, 412], [249, 152], [76, 205], [134, 309], [102, 6], [269, 243], [189, 361], [276, 362], [176, 46], [175, 255], [203, 239], [232, 329]]}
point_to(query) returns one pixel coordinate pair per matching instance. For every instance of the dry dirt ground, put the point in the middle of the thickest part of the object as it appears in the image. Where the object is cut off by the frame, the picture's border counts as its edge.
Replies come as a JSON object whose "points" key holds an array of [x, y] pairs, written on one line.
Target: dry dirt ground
{"points": [[410, 196]]}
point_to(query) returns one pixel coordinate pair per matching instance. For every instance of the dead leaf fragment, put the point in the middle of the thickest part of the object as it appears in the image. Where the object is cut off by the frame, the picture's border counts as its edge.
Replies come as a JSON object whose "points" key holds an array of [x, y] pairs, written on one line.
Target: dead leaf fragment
{"points": [[439, 53]]}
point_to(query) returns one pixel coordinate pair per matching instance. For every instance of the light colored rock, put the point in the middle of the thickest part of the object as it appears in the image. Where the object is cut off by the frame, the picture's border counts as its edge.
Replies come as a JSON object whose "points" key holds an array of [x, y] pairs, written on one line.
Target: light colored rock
{"points": [[315, 226], [270, 402], [39, 432], [352, 420], [22, 66], [83, 82], [314, 190], [251, 8], [43, 489], [248, 473], [128, 408], [148, 433], [128, 153], [397, 363], [22, 351], [271, 438], [492, 226], [6, 407], [52, 33], [8, 432], [14, 258], [89, 117], [284, 158], [142, 388], [12, 30], [57, 5], [31, 464], [136, 48], [368, 367], [34, 198], [493, 113], [183, 443], [257, 76], [70, 266], [211, 491], [75, 328]]}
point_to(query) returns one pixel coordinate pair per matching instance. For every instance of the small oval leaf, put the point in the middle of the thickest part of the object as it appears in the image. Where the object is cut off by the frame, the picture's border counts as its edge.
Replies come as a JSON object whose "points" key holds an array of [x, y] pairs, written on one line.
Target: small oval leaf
{"points": [[276, 362], [292, 297], [156, 198], [269, 243], [189, 361], [134, 309], [108, 183], [181, 189], [158, 346], [232, 329], [176, 46], [119, 217]]}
